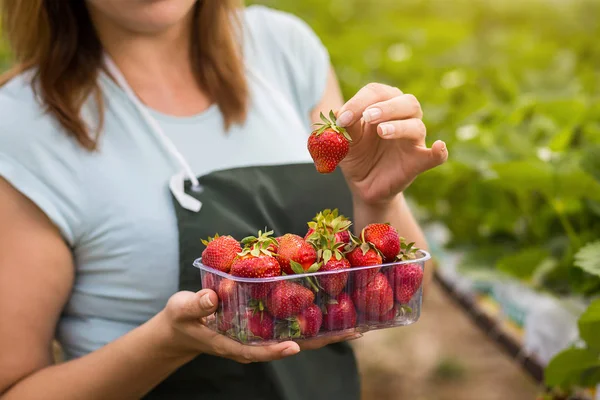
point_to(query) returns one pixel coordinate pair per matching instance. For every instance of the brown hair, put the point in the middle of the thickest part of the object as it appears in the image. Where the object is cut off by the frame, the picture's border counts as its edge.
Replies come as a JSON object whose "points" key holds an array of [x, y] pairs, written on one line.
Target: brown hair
{"points": [[56, 40]]}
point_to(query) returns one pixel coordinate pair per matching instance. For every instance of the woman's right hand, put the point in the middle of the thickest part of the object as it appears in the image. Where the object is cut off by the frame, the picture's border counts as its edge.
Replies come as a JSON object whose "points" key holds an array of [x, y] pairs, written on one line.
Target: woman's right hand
{"points": [[184, 320]]}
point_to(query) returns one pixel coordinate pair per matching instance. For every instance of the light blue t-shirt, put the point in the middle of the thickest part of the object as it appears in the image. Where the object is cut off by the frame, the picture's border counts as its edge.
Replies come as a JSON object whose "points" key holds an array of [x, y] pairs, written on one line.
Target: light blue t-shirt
{"points": [[113, 206]]}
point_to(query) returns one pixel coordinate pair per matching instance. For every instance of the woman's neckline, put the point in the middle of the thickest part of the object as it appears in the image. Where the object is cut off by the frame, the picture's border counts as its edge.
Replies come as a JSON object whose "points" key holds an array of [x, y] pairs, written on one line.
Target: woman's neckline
{"points": [[210, 112]]}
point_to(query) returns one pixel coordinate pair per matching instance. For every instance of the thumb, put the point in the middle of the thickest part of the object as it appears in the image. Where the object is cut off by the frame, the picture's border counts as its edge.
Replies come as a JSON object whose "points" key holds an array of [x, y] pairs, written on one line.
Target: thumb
{"points": [[190, 305], [436, 155]]}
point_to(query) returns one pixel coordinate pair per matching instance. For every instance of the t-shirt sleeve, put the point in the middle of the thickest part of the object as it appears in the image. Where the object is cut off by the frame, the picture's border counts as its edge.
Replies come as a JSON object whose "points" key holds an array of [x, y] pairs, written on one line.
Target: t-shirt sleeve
{"points": [[37, 160], [291, 52]]}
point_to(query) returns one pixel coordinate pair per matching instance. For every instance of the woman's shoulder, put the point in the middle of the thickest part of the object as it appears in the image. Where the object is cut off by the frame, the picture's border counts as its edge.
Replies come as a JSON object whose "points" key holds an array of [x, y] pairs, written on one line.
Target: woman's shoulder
{"points": [[288, 51], [36, 157]]}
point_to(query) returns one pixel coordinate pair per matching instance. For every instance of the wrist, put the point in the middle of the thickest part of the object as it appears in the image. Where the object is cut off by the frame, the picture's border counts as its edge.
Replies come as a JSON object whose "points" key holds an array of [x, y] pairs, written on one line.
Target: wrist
{"points": [[382, 207], [167, 342]]}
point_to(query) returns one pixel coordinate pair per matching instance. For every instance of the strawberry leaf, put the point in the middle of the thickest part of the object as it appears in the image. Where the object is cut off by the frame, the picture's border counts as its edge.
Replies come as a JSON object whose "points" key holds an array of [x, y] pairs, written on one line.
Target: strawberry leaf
{"points": [[296, 267], [327, 256], [314, 268]]}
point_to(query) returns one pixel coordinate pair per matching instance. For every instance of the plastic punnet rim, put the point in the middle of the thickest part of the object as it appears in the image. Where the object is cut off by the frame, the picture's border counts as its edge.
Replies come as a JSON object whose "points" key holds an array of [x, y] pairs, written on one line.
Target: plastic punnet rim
{"points": [[198, 264]]}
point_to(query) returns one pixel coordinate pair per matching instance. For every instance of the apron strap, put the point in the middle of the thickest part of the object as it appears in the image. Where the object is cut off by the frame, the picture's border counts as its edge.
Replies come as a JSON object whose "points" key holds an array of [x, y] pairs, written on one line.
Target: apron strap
{"points": [[176, 184]]}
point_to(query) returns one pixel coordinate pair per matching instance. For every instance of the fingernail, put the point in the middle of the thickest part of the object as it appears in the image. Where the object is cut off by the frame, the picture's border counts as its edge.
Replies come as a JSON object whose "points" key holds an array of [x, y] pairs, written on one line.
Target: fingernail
{"points": [[345, 118], [290, 351], [205, 301], [371, 114], [357, 336], [387, 129]]}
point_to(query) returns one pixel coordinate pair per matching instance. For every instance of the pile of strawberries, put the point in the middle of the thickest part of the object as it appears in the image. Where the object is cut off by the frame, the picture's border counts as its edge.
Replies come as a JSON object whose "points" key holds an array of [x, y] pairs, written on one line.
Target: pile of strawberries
{"points": [[356, 282]]}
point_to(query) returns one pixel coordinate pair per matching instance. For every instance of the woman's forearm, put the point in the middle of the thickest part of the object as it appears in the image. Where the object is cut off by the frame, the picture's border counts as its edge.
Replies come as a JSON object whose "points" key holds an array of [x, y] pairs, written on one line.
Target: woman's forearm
{"points": [[127, 368], [398, 214]]}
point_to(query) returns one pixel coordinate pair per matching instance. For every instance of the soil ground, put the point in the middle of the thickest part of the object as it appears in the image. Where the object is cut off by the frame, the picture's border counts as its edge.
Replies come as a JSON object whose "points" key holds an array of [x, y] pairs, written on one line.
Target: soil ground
{"points": [[443, 356]]}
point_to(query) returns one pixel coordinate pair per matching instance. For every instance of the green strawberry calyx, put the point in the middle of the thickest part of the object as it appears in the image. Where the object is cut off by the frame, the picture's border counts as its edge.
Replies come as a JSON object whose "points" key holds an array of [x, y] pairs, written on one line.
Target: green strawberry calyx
{"points": [[330, 123], [257, 245], [408, 251], [210, 239]]}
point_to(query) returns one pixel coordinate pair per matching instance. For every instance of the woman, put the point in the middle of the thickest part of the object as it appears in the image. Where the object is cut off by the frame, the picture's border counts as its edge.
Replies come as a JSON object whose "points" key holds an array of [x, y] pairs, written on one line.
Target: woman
{"points": [[130, 130]]}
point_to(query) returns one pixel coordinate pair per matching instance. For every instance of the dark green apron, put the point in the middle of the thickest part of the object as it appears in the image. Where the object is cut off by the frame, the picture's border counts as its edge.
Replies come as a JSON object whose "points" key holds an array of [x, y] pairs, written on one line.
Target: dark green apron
{"points": [[239, 202]]}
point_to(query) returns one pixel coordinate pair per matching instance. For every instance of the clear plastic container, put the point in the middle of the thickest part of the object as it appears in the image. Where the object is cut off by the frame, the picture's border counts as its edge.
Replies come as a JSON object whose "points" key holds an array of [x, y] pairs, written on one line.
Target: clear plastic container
{"points": [[304, 306]]}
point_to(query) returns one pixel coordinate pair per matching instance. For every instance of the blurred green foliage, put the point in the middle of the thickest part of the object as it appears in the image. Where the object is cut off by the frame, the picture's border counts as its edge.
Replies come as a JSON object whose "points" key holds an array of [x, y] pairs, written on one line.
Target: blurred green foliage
{"points": [[513, 87]]}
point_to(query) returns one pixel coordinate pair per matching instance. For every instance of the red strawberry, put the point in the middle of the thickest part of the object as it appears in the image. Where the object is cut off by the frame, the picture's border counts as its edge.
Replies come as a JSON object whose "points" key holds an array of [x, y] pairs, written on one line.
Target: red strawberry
{"points": [[288, 298], [209, 281], [406, 280], [328, 145], [226, 320], [220, 252], [261, 266], [334, 283], [376, 298], [294, 248], [306, 324], [339, 313], [362, 256], [386, 317], [259, 324], [229, 294], [385, 238]]}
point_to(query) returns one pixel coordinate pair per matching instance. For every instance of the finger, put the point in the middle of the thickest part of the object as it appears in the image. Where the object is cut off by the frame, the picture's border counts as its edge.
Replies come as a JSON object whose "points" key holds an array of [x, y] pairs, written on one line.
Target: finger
{"points": [[248, 354], [412, 129], [189, 305], [317, 343], [436, 155], [352, 111], [399, 107]]}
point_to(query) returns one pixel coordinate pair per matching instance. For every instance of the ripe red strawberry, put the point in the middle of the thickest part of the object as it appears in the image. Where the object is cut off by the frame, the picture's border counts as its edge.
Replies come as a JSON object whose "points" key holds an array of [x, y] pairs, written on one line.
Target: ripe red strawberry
{"points": [[259, 324], [288, 298], [376, 298], [209, 281], [362, 256], [339, 313], [261, 266], [220, 252], [406, 279], [306, 324], [386, 317], [385, 238], [334, 283], [328, 145], [229, 294], [226, 320], [294, 248]]}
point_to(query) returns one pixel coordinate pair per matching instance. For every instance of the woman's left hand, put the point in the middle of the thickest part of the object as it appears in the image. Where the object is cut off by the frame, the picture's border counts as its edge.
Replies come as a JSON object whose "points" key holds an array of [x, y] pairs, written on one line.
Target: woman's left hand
{"points": [[388, 148]]}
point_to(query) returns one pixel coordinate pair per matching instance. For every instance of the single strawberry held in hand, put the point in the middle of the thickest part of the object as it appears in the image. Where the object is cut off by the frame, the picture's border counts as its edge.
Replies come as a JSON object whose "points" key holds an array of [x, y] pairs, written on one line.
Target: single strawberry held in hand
{"points": [[220, 252], [329, 144]]}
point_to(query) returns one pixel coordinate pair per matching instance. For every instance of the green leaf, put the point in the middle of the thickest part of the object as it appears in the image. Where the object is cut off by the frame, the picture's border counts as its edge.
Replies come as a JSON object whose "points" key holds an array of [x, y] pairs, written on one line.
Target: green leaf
{"points": [[566, 369], [588, 258], [327, 256], [591, 162], [523, 263], [589, 325], [296, 267], [314, 268], [332, 116], [324, 119]]}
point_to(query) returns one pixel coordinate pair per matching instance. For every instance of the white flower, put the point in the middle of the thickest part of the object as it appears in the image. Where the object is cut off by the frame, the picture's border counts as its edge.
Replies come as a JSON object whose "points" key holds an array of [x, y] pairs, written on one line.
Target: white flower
{"points": [[545, 154]]}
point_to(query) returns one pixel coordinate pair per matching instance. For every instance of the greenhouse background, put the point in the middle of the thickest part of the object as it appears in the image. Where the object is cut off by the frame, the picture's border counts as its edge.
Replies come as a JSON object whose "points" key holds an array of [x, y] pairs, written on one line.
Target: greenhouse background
{"points": [[513, 87]]}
